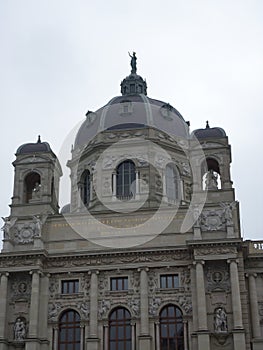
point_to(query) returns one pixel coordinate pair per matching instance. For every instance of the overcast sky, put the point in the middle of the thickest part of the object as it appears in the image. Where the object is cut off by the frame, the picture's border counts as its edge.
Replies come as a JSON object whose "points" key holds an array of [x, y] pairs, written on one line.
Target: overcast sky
{"points": [[61, 58]]}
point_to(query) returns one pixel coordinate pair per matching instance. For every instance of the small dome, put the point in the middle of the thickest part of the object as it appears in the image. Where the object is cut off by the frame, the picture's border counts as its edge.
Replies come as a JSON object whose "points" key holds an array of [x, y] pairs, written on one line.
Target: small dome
{"points": [[38, 147], [209, 133]]}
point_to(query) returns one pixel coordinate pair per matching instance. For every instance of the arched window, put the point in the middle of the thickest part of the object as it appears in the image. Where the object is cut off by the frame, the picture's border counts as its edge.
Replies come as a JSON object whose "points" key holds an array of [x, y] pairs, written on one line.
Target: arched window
{"points": [[69, 331], [32, 186], [171, 328], [125, 180], [210, 174], [120, 329], [85, 187], [172, 183]]}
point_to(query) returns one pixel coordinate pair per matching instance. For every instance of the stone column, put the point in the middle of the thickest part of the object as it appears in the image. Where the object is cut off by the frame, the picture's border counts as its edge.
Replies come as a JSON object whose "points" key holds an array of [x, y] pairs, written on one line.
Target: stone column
{"points": [[114, 185], [253, 298], [144, 339], [185, 336], [33, 331], [164, 184], [82, 332], [106, 337], [43, 307], [55, 338], [137, 190], [144, 302], [235, 293], [157, 335], [202, 334], [201, 298], [238, 334], [3, 307], [34, 305], [133, 339], [93, 340]]}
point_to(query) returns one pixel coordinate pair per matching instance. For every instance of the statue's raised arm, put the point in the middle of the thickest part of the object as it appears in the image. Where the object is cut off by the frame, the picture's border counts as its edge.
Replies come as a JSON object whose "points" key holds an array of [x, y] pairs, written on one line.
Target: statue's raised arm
{"points": [[133, 62]]}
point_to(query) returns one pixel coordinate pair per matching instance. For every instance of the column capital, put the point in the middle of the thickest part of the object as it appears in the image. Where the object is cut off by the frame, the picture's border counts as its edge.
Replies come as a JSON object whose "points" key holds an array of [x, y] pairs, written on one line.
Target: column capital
{"points": [[229, 261], [97, 272], [6, 274], [202, 262], [140, 269], [37, 271], [251, 274]]}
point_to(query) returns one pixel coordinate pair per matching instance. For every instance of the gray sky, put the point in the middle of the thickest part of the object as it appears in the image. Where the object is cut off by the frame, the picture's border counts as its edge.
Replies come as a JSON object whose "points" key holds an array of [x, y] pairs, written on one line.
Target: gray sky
{"points": [[61, 58]]}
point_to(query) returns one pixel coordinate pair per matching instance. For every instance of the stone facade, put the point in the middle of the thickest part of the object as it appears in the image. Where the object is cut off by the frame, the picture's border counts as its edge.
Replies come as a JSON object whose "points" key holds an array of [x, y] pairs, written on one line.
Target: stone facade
{"points": [[142, 253]]}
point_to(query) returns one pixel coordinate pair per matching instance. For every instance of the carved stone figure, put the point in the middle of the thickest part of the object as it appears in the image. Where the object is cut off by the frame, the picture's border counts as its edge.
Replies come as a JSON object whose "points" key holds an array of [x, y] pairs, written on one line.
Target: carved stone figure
{"points": [[227, 210], [154, 305], [38, 221], [53, 311], [133, 63], [104, 306], [36, 191], [84, 308], [9, 223], [19, 330], [220, 320], [211, 180], [196, 211], [135, 306]]}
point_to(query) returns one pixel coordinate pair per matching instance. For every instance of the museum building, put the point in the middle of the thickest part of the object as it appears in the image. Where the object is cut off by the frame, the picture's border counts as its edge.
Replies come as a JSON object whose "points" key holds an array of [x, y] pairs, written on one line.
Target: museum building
{"points": [[148, 254]]}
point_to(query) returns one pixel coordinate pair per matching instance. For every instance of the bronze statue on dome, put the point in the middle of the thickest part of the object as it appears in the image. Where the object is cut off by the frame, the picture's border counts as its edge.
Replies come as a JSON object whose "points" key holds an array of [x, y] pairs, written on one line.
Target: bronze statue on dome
{"points": [[133, 62]]}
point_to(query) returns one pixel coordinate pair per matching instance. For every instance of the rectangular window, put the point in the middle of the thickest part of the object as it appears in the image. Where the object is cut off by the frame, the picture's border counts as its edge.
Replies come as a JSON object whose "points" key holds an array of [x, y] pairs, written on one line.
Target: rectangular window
{"points": [[169, 281], [70, 286], [132, 88], [119, 283]]}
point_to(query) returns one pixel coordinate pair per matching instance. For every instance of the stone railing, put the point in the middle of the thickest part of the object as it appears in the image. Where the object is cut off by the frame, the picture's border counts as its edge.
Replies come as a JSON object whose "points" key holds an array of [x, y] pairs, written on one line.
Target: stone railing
{"points": [[256, 247]]}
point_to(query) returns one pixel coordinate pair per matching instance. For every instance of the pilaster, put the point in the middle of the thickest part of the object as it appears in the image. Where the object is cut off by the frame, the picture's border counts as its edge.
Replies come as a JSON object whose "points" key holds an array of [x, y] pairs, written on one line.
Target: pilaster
{"points": [[238, 332], [3, 309]]}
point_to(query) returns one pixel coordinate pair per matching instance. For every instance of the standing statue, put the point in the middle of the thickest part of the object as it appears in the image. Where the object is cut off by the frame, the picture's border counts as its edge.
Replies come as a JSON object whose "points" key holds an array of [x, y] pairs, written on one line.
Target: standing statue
{"points": [[133, 62], [228, 208], [220, 320], [211, 180], [19, 330], [38, 223], [36, 191]]}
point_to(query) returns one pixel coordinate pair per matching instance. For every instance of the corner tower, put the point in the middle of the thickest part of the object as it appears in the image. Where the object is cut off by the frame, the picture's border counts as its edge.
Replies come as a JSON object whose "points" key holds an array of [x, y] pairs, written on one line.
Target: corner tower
{"points": [[36, 181]]}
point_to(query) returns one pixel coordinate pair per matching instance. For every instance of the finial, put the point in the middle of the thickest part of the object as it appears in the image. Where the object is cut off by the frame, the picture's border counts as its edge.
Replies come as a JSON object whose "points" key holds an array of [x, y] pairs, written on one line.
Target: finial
{"points": [[39, 139], [207, 124], [133, 62]]}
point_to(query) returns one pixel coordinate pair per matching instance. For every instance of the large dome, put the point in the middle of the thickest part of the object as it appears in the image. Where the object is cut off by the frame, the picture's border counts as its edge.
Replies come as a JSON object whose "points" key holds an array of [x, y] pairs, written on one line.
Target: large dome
{"points": [[132, 111]]}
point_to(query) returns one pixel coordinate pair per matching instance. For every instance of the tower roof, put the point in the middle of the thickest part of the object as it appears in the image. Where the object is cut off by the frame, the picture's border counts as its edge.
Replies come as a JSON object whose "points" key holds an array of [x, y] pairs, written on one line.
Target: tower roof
{"points": [[208, 132], [38, 147]]}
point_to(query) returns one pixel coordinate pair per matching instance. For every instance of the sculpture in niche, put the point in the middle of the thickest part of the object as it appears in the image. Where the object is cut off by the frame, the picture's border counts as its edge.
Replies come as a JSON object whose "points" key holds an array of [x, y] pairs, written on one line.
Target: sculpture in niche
{"points": [[220, 322], [211, 180], [19, 329], [36, 192]]}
